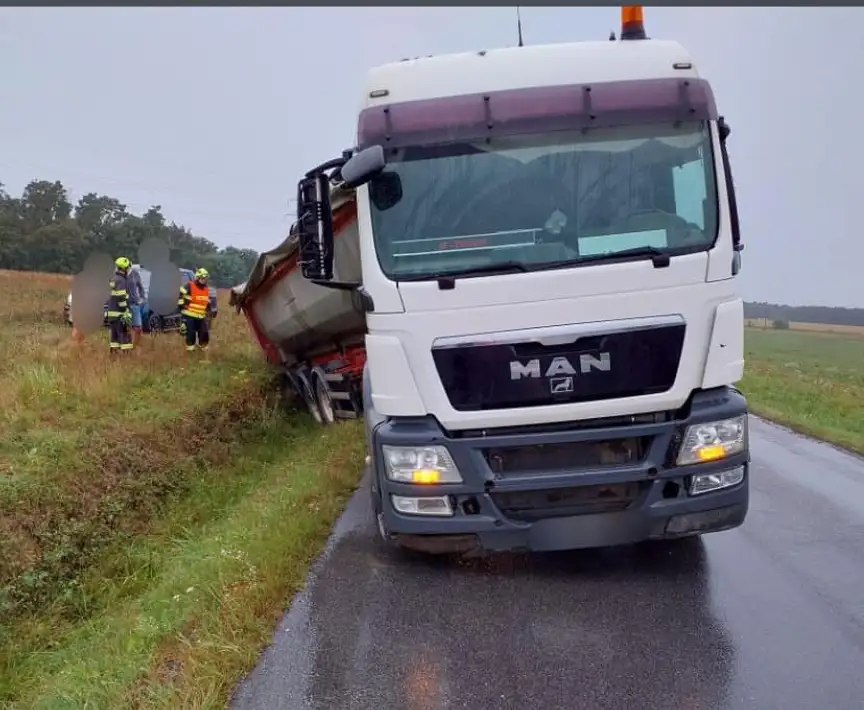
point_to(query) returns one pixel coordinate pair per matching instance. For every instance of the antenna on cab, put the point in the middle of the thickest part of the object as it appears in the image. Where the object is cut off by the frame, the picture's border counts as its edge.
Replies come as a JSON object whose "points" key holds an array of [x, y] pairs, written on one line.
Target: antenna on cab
{"points": [[632, 25]]}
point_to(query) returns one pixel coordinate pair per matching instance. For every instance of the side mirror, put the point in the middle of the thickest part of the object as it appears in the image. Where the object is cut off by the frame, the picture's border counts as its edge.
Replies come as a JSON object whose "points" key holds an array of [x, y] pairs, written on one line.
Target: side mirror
{"points": [[363, 166], [315, 227]]}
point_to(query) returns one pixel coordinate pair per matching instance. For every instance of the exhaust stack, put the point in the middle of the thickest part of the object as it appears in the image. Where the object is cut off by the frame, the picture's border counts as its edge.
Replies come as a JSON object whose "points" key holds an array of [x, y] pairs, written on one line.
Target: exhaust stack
{"points": [[632, 26]]}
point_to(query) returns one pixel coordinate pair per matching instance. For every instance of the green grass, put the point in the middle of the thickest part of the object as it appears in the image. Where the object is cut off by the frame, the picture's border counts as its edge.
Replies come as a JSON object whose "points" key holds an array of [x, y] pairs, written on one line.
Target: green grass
{"points": [[156, 513], [812, 382], [182, 612]]}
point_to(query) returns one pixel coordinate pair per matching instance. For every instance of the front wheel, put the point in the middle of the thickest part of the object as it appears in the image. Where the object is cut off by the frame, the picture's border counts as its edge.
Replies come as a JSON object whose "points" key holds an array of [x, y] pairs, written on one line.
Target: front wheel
{"points": [[154, 324]]}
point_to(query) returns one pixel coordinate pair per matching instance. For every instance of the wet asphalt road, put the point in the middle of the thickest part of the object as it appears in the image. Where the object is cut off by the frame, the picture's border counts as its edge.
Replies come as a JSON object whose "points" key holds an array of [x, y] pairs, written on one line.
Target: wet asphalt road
{"points": [[770, 615]]}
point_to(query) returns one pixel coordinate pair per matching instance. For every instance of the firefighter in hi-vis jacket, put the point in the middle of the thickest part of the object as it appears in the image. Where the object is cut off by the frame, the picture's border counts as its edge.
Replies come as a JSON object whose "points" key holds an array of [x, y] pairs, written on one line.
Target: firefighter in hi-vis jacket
{"points": [[118, 314], [195, 307]]}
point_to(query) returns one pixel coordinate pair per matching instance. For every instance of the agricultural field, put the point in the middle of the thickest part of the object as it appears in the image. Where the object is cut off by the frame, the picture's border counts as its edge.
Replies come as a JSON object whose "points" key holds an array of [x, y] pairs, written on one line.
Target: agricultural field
{"points": [[155, 513], [853, 330], [809, 380]]}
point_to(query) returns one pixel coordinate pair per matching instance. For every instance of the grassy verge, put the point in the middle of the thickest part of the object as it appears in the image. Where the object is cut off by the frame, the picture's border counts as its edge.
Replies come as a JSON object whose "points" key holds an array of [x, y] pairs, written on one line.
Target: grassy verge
{"points": [[812, 382], [92, 449], [155, 514], [184, 610]]}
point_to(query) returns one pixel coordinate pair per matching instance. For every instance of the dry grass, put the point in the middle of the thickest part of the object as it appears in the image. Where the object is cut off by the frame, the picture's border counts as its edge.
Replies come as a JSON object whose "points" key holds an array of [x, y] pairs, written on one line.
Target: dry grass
{"points": [[83, 435], [119, 482]]}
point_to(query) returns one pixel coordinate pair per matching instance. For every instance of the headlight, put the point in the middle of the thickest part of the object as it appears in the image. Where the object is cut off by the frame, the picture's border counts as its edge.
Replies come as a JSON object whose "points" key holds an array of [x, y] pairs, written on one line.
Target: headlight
{"points": [[707, 482], [420, 464], [713, 441]]}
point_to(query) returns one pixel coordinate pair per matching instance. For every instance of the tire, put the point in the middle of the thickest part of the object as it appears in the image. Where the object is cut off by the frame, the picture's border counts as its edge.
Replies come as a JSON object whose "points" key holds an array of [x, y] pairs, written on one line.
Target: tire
{"points": [[154, 324], [309, 398], [324, 401]]}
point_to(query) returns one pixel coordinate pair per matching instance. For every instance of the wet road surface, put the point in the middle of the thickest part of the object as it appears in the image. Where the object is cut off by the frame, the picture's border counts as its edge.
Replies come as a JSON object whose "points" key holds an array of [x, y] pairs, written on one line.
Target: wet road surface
{"points": [[770, 615]]}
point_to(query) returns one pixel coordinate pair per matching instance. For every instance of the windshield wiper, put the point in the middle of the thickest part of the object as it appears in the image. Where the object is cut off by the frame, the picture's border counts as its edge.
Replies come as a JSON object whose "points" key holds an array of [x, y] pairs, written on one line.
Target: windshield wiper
{"points": [[659, 258], [446, 279]]}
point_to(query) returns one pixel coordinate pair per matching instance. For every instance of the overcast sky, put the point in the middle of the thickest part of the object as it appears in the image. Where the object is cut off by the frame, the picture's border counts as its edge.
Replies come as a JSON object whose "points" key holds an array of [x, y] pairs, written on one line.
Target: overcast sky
{"points": [[214, 113]]}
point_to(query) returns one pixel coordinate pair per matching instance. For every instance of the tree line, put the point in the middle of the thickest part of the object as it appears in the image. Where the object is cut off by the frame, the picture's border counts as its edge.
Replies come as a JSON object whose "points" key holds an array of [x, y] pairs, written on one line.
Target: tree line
{"points": [[829, 315], [42, 231]]}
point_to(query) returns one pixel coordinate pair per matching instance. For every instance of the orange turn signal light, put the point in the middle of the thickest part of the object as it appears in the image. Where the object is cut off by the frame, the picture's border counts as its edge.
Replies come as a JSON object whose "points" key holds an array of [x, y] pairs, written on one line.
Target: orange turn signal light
{"points": [[425, 475], [711, 453]]}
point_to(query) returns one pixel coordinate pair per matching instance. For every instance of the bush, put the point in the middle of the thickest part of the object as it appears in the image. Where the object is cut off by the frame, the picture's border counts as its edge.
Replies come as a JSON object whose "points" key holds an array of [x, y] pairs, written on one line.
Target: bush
{"points": [[780, 325]]}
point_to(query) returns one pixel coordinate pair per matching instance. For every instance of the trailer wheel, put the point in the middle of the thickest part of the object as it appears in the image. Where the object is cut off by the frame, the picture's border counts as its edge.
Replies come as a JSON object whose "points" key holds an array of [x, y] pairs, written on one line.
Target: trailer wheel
{"points": [[309, 397], [325, 402]]}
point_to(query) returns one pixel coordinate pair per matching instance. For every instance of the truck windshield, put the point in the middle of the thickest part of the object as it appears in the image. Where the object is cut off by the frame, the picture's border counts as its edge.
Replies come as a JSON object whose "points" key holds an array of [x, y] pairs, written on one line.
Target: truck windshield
{"points": [[545, 201]]}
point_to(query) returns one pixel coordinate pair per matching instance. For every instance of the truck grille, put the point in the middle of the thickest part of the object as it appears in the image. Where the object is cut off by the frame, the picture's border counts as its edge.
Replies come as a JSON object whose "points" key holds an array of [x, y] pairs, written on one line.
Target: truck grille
{"points": [[567, 456], [528, 374], [527, 506]]}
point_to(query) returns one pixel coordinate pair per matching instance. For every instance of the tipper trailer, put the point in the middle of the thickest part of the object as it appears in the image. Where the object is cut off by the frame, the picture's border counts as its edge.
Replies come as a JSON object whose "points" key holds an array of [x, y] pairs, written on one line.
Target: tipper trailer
{"points": [[524, 278]]}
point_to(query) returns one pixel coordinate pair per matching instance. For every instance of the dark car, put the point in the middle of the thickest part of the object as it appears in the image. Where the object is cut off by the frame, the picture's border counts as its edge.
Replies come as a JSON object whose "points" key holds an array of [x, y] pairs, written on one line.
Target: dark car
{"points": [[150, 322]]}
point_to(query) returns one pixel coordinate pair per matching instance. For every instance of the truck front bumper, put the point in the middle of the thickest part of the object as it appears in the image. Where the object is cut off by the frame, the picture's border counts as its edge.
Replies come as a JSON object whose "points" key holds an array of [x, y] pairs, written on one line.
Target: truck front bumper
{"points": [[526, 504]]}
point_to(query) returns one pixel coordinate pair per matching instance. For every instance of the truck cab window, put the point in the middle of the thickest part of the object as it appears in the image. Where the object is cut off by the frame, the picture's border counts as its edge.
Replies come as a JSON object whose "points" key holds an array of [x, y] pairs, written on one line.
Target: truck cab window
{"points": [[547, 199]]}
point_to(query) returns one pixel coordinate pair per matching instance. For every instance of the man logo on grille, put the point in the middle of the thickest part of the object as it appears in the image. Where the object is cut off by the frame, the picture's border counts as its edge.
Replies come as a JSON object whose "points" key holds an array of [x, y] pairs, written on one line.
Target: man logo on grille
{"points": [[561, 366], [561, 385]]}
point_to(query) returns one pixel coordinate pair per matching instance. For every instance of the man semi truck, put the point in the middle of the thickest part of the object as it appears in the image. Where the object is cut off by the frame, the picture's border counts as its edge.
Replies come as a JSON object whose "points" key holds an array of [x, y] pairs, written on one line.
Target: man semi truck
{"points": [[524, 276]]}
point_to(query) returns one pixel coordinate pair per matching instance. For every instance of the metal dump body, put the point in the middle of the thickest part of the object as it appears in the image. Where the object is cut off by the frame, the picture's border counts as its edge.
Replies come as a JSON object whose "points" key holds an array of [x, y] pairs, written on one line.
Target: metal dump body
{"points": [[294, 318]]}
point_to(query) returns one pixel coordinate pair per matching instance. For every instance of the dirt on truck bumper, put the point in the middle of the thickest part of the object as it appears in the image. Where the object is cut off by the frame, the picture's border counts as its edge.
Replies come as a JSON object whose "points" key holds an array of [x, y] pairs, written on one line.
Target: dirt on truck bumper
{"points": [[574, 485]]}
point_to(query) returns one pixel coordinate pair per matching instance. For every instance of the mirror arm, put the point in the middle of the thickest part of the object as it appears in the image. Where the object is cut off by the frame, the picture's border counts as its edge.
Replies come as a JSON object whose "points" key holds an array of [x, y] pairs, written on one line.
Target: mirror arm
{"points": [[324, 167], [331, 164]]}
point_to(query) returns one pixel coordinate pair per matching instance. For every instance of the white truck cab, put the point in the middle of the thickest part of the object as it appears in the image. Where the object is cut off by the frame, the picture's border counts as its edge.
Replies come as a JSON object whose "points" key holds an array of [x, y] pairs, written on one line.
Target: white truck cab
{"points": [[549, 247]]}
